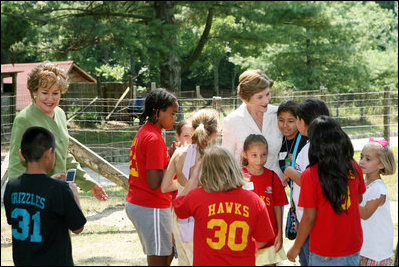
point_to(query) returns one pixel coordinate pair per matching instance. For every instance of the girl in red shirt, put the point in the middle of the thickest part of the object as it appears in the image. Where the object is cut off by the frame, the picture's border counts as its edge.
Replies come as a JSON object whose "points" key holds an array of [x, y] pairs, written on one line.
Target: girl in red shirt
{"points": [[330, 191], [146, 206], [267, 185]]}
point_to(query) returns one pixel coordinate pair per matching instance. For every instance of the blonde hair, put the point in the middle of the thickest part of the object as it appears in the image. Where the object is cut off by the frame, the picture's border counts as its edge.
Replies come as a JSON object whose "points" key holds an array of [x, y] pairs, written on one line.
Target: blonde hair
{"points": [[45, 75], [220, 171], [385, 155], [205, 122], [252, 82]]}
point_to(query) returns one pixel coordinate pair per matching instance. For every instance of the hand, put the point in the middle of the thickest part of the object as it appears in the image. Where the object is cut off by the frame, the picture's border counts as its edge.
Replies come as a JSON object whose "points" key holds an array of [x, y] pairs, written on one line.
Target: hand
{"points": [[74, 188], [278, 242], [59, 176], [285, 180], [173, 147], [293, 253], [99, 193]]}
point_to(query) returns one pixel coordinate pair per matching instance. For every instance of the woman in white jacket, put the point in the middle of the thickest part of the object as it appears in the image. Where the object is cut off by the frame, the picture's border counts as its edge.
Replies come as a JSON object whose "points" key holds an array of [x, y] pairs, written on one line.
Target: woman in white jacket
{"points": [[254, 116]]}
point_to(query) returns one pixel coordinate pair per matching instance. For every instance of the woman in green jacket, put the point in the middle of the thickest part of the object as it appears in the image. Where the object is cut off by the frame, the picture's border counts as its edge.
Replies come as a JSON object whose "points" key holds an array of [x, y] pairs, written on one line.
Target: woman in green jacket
{"points": [[46, 83]]}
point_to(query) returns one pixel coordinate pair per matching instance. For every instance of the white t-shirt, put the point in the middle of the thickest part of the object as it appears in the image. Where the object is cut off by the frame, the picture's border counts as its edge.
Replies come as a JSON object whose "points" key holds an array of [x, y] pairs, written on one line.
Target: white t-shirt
{"points": [[302, 161], [239, 124], [378, 229]]}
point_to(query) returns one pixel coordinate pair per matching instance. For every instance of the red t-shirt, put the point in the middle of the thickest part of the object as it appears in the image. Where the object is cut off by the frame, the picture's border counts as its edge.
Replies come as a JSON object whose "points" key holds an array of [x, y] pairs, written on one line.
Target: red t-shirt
{"points": [[333, 235], [226, 226], [148, 152], [270, 189]]}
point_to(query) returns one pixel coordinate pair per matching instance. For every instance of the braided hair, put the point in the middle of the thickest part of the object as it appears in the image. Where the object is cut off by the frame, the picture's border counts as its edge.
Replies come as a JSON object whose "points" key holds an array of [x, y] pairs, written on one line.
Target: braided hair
{"points": [[158, 99]]}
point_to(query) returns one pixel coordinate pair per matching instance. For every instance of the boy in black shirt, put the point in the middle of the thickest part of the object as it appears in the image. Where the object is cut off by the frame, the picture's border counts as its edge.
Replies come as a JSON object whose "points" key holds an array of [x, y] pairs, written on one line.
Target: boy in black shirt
{"points": [[41, 209]]}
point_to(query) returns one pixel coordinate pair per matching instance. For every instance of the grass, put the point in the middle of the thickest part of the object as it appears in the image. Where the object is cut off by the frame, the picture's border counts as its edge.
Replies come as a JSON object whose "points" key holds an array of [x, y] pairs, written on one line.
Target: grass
{"points": [[103, 242]]}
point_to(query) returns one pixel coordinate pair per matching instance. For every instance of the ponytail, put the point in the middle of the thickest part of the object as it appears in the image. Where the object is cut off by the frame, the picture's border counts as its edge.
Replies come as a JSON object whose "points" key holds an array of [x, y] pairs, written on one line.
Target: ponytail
{"points": [[205, 123]]}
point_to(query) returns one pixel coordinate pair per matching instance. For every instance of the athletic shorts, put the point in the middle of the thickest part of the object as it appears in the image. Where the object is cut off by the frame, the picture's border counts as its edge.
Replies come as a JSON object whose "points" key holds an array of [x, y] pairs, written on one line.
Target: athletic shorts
{"points": [[154, 227]]}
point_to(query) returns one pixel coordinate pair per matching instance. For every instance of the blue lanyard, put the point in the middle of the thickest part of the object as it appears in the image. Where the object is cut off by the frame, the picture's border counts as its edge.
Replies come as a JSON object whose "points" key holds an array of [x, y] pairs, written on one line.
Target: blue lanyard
{"points": [[294, 158]]}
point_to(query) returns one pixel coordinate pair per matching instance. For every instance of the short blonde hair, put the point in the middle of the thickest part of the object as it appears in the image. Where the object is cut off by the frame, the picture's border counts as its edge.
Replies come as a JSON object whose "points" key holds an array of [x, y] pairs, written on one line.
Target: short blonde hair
{"points": [[220, 171], [205, 122], [252, 82], [385, 155], [45, 75]]}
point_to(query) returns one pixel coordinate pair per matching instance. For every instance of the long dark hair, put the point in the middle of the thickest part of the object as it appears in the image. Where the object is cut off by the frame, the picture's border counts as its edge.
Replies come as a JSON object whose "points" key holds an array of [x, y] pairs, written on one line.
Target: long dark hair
{"points": [[331, 147], [158, 99]]}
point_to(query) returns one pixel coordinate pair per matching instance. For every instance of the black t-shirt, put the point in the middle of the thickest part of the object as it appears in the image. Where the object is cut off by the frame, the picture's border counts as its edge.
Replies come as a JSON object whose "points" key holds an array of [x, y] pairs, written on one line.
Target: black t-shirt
{"points": [[287, 153], [40, 210]]}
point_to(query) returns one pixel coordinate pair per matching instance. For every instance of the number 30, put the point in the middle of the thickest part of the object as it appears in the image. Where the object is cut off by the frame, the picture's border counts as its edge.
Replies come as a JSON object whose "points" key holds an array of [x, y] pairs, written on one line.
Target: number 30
{"points": [[24, 225], [221, 234]]}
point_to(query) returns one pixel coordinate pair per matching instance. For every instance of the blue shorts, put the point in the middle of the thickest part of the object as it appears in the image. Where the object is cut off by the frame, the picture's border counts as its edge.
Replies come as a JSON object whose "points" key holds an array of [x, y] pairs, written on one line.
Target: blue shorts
{"points": [[154, 227]]}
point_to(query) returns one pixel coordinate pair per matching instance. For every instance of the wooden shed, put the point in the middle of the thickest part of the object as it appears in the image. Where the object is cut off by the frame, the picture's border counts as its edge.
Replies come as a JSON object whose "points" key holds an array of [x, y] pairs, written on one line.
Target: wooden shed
{"points": [[76, 76]]}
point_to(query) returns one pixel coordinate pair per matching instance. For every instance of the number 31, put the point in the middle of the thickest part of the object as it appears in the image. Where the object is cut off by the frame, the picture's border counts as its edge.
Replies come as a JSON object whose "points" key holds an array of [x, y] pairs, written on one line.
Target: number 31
{"points": [[24, 225]]}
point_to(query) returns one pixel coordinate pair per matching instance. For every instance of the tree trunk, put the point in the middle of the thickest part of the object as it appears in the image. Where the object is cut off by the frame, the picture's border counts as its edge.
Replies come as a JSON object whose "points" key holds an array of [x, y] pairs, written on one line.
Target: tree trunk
{"points": [[170, 67], [216, 64], [308, 63]]}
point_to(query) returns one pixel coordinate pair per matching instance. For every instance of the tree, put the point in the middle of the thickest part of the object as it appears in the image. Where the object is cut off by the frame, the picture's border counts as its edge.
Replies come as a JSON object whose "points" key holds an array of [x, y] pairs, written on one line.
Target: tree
{"points": [[70, 29], [323, 44], [301, 45]]}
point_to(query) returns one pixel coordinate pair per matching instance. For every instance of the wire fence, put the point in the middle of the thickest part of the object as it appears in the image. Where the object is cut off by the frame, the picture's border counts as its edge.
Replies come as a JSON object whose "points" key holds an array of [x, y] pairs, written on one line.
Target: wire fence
{"points": [[108, 125]]}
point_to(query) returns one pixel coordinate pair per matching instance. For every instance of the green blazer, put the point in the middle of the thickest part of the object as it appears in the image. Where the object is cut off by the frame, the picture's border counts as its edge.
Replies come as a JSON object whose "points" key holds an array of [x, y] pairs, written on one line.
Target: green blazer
{"points": [[32, 116]]}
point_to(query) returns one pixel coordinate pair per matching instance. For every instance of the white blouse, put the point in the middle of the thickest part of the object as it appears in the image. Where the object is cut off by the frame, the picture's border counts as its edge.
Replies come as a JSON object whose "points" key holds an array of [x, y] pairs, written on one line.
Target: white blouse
{"points": [[239, 124], [378, 229]]}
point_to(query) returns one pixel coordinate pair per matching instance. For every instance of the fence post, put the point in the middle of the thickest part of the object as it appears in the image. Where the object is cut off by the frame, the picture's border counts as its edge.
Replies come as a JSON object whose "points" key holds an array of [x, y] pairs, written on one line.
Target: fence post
{"points": [[323, 91], [131, 95], [387, 114], [216, 103], [362, 98], [100, 95], [197, 91], [99, 91]]}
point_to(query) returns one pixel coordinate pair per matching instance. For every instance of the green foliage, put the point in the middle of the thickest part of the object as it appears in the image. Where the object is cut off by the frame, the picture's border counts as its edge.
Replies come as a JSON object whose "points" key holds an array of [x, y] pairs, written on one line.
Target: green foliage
{"points": [[302, 45], [111, 73]]}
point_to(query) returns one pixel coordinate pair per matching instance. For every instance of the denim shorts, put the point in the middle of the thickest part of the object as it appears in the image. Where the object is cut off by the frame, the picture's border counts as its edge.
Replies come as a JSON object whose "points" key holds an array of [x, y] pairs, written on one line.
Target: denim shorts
{"points": [[304, 253], [350, 260]]}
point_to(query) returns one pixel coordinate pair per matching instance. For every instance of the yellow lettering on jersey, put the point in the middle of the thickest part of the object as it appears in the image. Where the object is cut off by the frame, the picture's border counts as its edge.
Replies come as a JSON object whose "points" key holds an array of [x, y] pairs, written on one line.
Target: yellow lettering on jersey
{"points": [[346, 201], [211, 209], [237, 207], [229, 206], [132, 162], [267, 201], [245, 210], [351, 176], [220, 209]]}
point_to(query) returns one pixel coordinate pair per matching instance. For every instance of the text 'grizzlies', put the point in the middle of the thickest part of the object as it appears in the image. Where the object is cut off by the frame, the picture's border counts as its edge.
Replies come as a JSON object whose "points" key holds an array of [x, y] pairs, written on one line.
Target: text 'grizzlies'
{"points": [[27, 198]]}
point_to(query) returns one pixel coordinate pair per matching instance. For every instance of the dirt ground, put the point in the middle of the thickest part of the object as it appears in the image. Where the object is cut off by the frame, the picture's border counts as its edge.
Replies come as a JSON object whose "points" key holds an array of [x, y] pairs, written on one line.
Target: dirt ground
{"points": [[116, 216]]}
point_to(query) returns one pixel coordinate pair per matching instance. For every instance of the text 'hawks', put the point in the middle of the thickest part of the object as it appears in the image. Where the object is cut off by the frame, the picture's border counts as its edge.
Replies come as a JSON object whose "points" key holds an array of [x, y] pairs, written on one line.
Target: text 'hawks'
{"points": [[228, 207]]}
